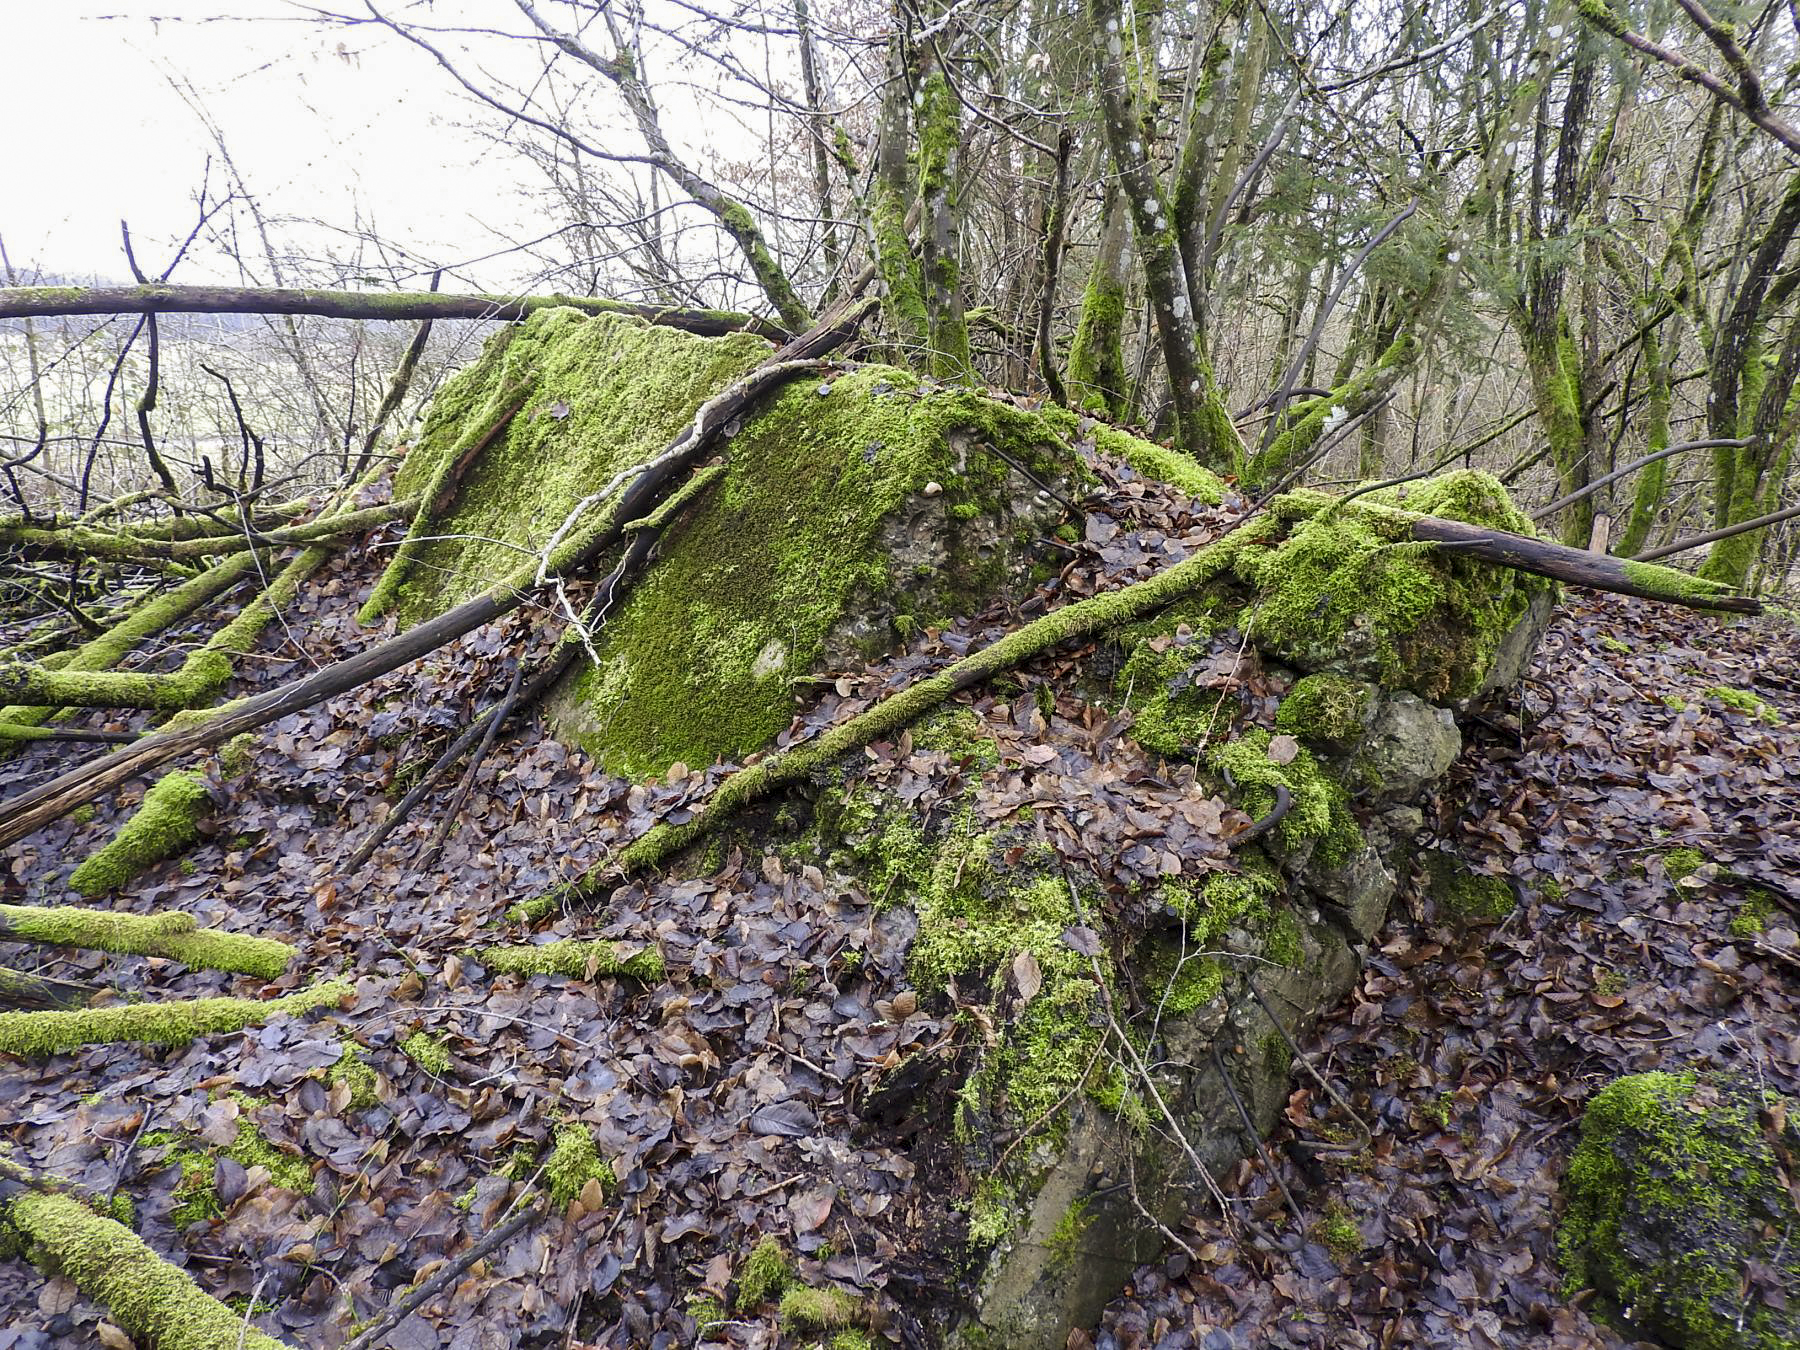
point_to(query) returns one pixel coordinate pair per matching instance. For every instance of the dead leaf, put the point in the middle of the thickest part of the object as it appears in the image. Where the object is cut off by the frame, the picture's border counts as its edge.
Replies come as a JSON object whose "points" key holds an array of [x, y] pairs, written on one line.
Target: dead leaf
{"points": [[1282, 749], [1027, 976]]}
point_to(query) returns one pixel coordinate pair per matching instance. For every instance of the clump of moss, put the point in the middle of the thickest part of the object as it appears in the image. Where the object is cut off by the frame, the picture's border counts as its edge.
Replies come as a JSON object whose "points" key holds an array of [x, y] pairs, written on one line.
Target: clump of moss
{"points": [[1349, 587], [1320, 812], [355, 1072], [1326, 708], [234, 756], [154, 1302], [83, 814], [1613, 644], [1682, 863], [430, 1053], [172, 1022], [1753, 915], [196, 1198], [805, 1309], [957, 732], [766, 1275], [578, 960], [706, 1311], [1464, 894], [252, 1149], [573, 1162], [1674, 1191], [852, 1338], [1746, 702], [171, 935], [1338, 1233], [167, 821]]}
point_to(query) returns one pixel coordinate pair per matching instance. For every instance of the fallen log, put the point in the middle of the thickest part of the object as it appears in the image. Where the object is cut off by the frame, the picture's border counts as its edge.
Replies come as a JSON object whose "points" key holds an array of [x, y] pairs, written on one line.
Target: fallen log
{"points": [[23, 302], [174, 936], [577, 547], [152, 1301]]}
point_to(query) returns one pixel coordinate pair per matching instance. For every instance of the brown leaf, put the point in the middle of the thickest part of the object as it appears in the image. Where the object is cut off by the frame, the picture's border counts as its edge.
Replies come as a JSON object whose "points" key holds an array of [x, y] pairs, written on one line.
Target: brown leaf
{"points": [[1027, 976], [1282, 749], [114, 1338]]}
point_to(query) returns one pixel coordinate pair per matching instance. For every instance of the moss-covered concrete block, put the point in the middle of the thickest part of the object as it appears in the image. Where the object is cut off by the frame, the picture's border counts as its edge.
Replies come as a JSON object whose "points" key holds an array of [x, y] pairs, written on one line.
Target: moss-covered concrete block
{"points": [[855, 509], [1679, 1211]]}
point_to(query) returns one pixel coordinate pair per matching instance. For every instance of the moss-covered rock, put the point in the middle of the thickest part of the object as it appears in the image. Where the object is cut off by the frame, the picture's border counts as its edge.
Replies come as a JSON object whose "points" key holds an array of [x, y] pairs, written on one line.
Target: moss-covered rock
{"points": [[1327, 710], [167, 821], [1463, 894], [1678, 1211]]}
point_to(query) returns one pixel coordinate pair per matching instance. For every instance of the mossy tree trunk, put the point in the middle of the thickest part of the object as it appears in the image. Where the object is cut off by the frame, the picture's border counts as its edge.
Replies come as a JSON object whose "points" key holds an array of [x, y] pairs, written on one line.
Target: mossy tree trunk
{"points": [[1097, 379], [890, 193], [1202, 426], [940, 157]]}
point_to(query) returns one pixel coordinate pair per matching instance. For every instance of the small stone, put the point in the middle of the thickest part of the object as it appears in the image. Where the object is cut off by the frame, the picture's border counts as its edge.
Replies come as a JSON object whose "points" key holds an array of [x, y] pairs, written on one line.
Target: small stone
{"points": [[932, 489]]}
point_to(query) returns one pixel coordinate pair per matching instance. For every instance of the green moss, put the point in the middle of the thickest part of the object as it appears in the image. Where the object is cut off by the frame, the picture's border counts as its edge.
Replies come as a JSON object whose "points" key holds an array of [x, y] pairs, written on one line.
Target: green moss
{"points": [[354, 1071], [1753, 915], [1669, 584], [252, 1149], [1751, 705], [1466, 895], [1662, 1154], [1172, 713], [151, 1300], [1681, 863], [172, 1022], [83, 814], [234, 757], [804, 1309], [166, 822], [1551, 889], [1338, 1233], [1674, 702], [957, 732], [573, 1162], [169, 935], [1321, 805], [1326, 708], [578, 960], [707, 1312], [1349, 588], [430, 1053], [852, 1338], [1164, 465], [765, 565], [767, 1273], [1065, 1237], [1612, 644], [196, 1197]]}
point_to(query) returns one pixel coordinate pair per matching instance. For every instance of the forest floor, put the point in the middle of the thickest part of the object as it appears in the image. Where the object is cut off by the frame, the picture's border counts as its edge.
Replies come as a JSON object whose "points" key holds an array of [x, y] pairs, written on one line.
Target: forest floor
{"points": [[726, 1095]]}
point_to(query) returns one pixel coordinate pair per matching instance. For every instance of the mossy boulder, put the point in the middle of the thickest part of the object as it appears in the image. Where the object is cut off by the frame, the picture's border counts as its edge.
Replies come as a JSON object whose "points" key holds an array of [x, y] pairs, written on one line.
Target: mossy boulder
{"points": [[855, 508], [1680, 1214]]}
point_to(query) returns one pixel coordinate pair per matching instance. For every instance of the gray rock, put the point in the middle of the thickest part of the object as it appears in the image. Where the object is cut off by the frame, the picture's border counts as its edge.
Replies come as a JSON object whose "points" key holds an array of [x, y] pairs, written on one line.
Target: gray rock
{"points": [[1411, 744]]}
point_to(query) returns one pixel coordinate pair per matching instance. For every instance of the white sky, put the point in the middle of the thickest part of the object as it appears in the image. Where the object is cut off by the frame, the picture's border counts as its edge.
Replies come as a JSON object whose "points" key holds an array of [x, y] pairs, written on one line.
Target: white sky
{"points": [[323, 122]]}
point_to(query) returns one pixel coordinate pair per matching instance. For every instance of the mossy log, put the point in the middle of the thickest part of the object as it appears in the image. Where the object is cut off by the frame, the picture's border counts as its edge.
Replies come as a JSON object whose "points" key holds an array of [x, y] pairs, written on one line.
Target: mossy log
{"points": [[33, 1035], [636, 498], [44, 301], [154, 1302], [146, 621], [166, 822], [174, 936]]}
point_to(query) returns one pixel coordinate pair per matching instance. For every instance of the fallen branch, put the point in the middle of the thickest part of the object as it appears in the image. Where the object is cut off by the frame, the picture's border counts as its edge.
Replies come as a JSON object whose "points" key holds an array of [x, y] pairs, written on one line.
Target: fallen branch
{"points": [[30, 810], [40, 992], [1085, 618], [19, 302], [83, 544], [35, 1035], [1578, 567], [446, 1277], [1713, 536]]}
